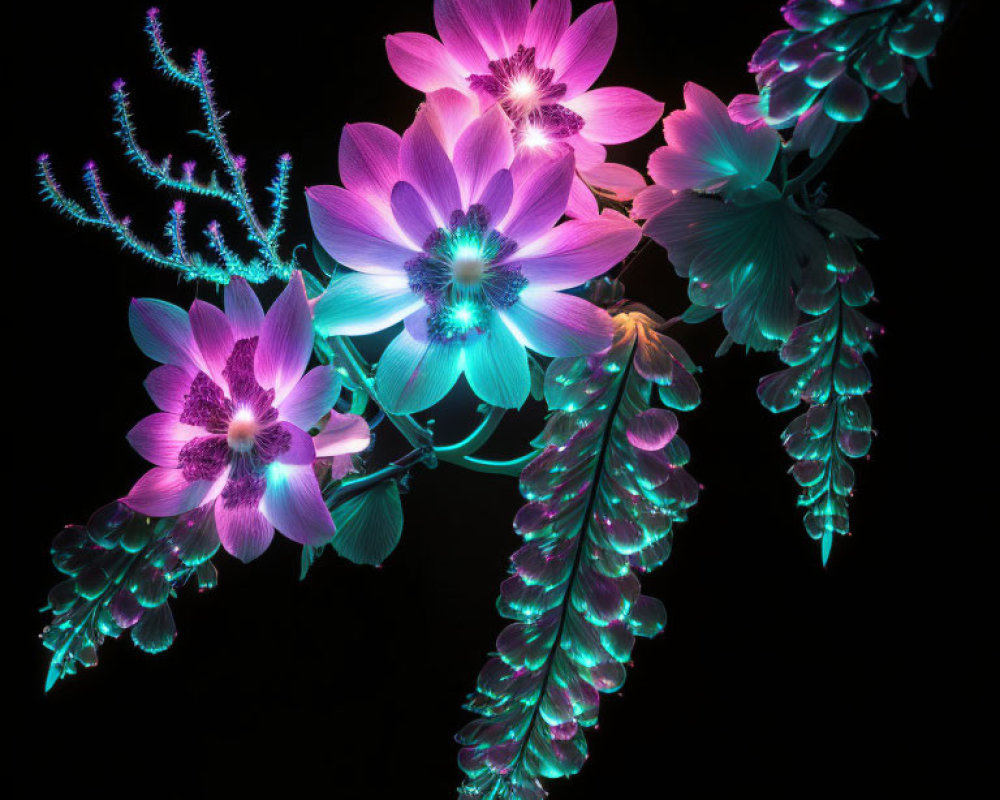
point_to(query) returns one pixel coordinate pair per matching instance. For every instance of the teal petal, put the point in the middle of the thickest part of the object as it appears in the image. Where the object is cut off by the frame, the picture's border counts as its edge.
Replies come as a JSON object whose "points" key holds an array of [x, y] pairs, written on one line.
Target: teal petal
{"points": [[413, 375], [496, 366]]}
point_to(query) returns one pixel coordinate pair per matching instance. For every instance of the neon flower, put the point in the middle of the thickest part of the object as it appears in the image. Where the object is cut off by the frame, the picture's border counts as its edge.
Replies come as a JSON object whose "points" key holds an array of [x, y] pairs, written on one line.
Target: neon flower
{"points": [[450, 231], [729, 231], [539, 68], [236, 407]]}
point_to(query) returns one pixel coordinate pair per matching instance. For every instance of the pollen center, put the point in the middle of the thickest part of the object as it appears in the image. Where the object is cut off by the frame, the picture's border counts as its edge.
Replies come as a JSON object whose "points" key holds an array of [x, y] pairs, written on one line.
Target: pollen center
{"points": [[242, 432], [467, 266]]}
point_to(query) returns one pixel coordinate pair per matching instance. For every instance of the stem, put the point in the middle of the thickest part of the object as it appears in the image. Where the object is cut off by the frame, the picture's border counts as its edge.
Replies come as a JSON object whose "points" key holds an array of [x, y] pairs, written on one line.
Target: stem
{"points": [[345, 491], [810, 172]]}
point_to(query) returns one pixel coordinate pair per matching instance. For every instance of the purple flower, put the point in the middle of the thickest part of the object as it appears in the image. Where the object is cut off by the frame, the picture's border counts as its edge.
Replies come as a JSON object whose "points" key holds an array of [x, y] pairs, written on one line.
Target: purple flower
{"points": [[236, 409], [452, 232], [538, 68]]}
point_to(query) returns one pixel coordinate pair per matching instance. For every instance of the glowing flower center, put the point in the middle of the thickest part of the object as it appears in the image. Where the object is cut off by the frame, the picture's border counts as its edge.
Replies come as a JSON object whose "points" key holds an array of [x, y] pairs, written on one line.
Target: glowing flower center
{"points": [[464, 275], [529, 97], [242, 431], [533, 137]]}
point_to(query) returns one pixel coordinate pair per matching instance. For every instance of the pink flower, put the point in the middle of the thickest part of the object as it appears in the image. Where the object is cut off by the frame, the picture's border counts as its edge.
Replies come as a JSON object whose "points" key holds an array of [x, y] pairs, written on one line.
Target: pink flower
{"points": [[236, 409], [451, 231], [539, 68]]}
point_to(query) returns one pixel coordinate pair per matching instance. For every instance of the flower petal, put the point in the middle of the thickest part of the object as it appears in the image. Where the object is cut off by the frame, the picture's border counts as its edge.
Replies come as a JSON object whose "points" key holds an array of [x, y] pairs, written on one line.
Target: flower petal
{"points": [[485, 147], [455, 30], [311, 398], [496, 367], [584, 50], [159, 438], [421, 61], [243, 531], [165, 492], [213, 335], [449, 112], [539, 201], [424, 163], [498, 194], [620, 182], [355, 233], [548, 22], [411, 213], [167, 385], [293, 503], [555, 324], [286, 340], [243, 309], [616, 114], [300, 450], [651, 200], [355, 304], [582, 204], [163, 332], [343, 433], [576, 251], [413, 375], [369, 161]]}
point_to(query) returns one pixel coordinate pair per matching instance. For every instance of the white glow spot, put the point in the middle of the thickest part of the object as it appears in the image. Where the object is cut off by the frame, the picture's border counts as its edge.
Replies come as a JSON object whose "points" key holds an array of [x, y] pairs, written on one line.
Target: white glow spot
{"points": [[534, 137], [522, 89]]}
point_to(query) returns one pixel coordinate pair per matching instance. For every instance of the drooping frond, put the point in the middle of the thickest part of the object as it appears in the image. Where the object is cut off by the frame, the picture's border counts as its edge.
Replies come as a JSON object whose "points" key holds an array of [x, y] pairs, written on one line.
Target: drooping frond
{"points": [[121, 570], [827, 372], [603, 497], [221, 262]]}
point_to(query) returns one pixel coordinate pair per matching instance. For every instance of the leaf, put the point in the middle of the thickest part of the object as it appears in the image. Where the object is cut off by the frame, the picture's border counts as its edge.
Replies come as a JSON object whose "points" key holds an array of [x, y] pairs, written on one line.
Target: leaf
{"points": [[369, 525]]}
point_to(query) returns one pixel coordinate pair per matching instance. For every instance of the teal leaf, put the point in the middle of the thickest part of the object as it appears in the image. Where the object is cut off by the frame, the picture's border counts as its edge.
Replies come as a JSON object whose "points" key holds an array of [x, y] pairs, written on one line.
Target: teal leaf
{"points": [[369, 525]]}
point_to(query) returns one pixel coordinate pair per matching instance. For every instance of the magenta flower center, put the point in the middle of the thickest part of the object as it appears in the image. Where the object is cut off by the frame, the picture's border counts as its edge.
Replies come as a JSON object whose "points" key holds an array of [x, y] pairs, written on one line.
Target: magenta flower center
{"points": [[529, 97], [463, 275], [242, 432]]}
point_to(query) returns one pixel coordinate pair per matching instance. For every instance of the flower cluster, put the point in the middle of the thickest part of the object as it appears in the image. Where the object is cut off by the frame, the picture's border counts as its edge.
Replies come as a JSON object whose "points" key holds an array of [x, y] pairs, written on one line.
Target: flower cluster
{"points": [[453, 227], [236, 409], [834, 54]]}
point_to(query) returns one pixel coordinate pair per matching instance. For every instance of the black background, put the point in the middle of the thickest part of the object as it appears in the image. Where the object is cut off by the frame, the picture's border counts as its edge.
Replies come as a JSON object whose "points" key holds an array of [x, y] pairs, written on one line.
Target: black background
{"points": [[773, 674]]}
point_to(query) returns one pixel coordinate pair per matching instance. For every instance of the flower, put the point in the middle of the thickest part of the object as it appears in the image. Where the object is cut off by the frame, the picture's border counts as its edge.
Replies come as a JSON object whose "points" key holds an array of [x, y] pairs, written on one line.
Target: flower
{"points": [[835, 52], [236, 409], [538, 68], [740, 243], [453, 233]]}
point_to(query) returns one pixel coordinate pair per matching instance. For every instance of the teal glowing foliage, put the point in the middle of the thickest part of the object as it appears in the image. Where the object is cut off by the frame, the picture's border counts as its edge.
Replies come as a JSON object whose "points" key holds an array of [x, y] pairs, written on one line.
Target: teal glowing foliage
{"points": [[827, 372], [603, 497], [121, 570], [222, 262], [837, 54]]}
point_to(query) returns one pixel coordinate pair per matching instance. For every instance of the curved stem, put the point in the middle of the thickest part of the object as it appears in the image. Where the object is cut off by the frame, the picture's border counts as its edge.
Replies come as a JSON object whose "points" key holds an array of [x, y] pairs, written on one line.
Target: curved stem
{"points": [[810, 172]]}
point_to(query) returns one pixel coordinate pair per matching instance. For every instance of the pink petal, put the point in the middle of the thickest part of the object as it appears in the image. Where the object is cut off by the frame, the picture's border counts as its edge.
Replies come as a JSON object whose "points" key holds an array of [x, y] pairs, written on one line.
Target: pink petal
{"points": [[165, 492], [293, 503], [540, 201], [421, 61], [243, 531], [576, 251], [300, 450], [369, 161], [243, 309], [167, 386], [286, 340], [498, 194], [452, 23], [355, 304], [159, 438], [411, 213], [582, 204], [424, 163], [651, 429], [548, 22], [555, 324], [673, 169], [343, 433], [449, 112], [311, 398], [616, 114], [214, 336], [163, 332], [355, 233], [485, 147], [588, 153], [616, 180], [585, 48], [651, 200]]}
